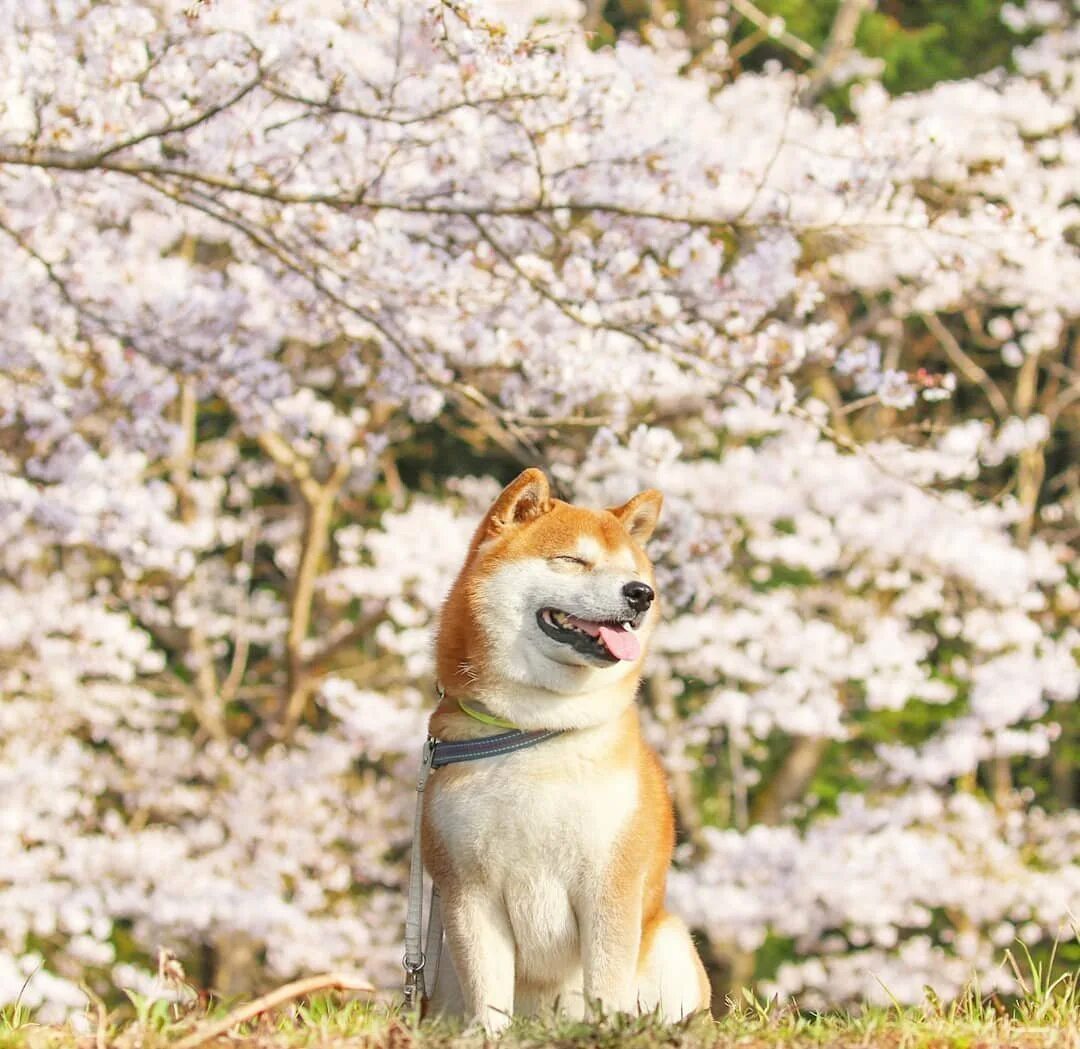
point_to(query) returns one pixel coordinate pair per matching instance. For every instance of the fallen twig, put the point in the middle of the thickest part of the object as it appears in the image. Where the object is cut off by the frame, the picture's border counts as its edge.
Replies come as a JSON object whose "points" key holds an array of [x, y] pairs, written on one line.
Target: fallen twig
{"points": [[286, 993]]}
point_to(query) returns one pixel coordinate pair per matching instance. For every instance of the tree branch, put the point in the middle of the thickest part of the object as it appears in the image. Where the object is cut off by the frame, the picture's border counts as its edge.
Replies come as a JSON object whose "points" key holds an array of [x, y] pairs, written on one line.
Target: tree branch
{"points": [[208, 708], [837, 47], [241, 642], [965, 365], [318, 511], [183, 125], [329, 106], [83, 161], [752, 13]]}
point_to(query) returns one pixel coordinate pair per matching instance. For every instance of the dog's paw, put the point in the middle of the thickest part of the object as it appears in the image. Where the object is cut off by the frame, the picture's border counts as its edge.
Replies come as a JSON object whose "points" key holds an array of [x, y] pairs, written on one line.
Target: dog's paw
{"points": [[493, 1023]]}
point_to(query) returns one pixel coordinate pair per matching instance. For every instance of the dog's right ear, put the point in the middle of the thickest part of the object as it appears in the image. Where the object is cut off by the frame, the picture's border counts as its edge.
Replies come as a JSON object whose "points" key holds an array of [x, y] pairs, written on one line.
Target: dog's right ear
{"points": [[524, 499]]}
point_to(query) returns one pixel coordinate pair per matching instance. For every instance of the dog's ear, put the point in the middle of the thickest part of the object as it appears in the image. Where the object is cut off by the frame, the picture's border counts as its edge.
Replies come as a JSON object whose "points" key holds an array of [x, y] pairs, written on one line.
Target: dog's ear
{"points": [[524, 499], [640, 514]]}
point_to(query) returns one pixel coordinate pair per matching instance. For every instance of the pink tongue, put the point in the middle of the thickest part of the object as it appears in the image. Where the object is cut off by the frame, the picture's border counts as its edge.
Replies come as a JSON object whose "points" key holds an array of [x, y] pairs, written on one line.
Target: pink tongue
{"points": [[619, 641]]}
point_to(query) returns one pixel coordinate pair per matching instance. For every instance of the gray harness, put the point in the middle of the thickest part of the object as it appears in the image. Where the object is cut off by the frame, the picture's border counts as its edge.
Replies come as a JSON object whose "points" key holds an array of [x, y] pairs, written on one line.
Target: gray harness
{"points": [[436, 754]]}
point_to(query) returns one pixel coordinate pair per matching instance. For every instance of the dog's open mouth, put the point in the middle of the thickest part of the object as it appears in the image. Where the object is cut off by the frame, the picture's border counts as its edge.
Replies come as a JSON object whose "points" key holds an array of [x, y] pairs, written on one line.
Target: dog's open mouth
{"points": [[610, 641]]}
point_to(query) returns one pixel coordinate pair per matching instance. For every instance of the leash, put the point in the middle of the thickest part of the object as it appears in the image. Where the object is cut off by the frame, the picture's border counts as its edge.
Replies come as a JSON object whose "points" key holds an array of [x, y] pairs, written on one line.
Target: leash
{"points": [[414, 960], [437, 754]]}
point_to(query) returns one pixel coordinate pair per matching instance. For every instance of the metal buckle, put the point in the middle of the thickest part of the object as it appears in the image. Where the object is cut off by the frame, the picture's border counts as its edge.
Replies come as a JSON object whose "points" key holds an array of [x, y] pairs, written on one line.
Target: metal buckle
{"points": [[428, 765], [413, 987]]}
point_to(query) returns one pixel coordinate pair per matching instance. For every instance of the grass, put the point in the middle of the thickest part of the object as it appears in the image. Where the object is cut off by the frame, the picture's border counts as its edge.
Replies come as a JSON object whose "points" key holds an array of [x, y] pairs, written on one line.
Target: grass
{"points": [[1045, 1016]]}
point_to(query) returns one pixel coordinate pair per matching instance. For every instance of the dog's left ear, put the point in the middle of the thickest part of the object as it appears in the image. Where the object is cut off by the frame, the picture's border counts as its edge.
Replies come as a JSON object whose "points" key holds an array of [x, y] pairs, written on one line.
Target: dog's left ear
{"points": [[525, 498], [640, 514]]}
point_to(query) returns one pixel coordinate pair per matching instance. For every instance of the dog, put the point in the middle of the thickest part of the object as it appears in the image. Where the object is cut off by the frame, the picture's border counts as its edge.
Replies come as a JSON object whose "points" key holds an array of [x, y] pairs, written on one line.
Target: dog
{"points": [[551, 862]]}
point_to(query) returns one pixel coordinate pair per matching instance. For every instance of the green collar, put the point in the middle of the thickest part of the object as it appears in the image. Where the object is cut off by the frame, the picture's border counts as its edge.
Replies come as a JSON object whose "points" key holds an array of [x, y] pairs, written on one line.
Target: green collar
{"points": [[477, 715], [487, 719]]}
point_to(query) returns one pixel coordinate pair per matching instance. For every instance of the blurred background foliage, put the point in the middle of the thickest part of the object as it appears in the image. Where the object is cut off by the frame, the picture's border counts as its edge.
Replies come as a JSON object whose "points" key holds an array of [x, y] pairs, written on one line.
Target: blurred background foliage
{"points": [[919, 42]]}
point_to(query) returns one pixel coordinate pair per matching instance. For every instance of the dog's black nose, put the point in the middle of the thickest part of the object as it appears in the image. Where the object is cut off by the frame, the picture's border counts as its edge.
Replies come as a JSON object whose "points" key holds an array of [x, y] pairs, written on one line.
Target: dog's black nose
{"points": [[639, 595]]}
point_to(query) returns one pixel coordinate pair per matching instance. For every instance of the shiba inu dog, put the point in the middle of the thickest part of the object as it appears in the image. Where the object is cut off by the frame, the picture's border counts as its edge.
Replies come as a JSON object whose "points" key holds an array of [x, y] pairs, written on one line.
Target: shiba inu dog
{"points": [[551, 862]]}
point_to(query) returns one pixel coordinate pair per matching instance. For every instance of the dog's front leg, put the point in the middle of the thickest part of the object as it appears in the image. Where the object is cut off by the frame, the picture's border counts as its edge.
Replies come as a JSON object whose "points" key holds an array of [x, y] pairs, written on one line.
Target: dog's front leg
{"points": [[482, 945], [610, 927]]}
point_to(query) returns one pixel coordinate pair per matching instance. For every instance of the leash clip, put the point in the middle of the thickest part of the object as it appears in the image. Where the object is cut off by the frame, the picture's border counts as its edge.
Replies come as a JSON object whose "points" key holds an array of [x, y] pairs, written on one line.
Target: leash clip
{"points": [[427, 759], [413, 987]]}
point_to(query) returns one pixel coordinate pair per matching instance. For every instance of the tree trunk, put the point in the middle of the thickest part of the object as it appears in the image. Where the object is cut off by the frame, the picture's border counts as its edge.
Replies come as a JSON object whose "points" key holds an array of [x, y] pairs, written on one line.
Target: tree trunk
{"points": [[791, 779]]}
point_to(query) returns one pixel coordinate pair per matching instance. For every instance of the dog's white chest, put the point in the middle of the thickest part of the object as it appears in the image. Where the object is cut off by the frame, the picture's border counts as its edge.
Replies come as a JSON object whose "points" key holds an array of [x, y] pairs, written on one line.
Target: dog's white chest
{"points": [[532, 812], [538, 830]]}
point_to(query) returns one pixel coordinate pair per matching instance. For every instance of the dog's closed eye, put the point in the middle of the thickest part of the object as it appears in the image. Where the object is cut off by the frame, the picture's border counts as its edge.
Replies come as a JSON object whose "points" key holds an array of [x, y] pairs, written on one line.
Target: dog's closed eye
{"points": [[569, 559]]}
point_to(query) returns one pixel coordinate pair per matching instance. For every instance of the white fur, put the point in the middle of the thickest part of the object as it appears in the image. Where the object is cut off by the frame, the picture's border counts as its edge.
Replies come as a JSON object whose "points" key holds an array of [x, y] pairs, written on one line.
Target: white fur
{"points": [[588, 549], [667, 974]]}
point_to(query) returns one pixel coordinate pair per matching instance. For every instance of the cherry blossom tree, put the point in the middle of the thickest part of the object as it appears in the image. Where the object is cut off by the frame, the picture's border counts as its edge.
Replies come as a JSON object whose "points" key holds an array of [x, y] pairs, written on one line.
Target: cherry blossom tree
{"points": [[289, 285]]}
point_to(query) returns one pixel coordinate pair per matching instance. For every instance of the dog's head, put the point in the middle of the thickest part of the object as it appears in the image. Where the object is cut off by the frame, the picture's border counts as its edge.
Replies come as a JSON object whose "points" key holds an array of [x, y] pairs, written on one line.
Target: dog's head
{"points": [[552, 596]]}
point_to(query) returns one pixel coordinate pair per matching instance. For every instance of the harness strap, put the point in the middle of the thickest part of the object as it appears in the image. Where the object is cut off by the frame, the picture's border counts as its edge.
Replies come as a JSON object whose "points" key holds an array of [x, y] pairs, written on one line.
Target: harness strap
{"points": [[453, 751], [437, 754]]}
